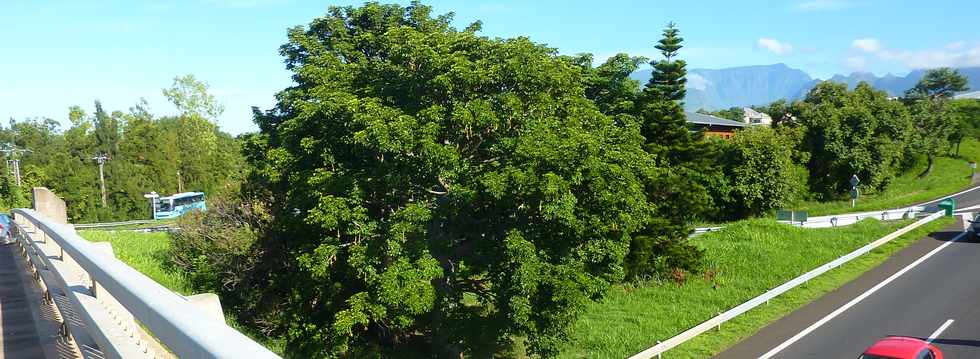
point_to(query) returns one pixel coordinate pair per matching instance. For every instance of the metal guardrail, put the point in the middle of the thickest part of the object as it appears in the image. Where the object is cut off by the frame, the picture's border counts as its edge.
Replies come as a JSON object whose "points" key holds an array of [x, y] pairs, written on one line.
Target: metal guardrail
{"points": [[702, 230], [113, 224], [110, 298], [851, 218], [717, 321], [839, 219]]}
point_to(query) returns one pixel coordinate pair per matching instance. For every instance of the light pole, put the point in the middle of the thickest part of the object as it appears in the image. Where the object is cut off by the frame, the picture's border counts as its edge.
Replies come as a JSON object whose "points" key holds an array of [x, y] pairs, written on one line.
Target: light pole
{"points": [[101, 159], [13, 162], [152, 196]]}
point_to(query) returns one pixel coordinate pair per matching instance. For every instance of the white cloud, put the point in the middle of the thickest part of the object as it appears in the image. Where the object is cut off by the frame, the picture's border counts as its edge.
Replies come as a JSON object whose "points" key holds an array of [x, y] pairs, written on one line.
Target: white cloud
{"points": [[824, 5], [697, 82], [868, 44], [955, 54], [777, 47]]}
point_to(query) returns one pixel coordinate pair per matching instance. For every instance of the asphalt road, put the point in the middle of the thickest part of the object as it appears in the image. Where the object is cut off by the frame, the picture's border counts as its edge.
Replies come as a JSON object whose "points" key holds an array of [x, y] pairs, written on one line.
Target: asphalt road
{"points": [[930, 287]]}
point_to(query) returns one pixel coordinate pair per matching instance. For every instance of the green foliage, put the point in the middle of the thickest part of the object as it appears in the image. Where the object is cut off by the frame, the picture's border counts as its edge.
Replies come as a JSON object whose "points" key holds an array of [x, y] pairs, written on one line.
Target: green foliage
{"points": [[610, 85], [761, 171], [966, 114], [426, 180], [852, 132], [939, 83], [935, 125], [191, 98], [145, 154], [216, 252], [661, 111], [950, 175]]}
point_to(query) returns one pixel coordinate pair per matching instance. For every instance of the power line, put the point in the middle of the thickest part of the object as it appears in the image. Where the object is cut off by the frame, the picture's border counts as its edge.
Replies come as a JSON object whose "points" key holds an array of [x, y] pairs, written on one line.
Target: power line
{"points": [[13, 162]]}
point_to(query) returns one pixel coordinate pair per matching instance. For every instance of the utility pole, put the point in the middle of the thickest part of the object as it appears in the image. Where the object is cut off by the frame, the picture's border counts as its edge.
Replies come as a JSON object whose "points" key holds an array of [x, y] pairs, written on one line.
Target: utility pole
{"points": [[101, 159], [180, 183], [13, 162]]}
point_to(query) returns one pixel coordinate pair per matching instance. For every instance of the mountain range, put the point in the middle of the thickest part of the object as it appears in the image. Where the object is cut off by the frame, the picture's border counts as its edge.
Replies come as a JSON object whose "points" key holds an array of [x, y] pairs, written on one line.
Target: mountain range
{"points": [[715, 89]]}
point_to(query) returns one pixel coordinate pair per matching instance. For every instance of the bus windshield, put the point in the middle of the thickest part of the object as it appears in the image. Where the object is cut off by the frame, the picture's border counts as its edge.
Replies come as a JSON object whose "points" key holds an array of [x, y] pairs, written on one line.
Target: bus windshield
{"points": [[164, 206]]}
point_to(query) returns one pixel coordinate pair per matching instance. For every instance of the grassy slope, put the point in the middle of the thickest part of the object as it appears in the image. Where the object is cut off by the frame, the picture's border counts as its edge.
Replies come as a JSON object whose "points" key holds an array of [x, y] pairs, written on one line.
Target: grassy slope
{"points": [[148, 253], [145, 252], [632, 319], [949, 175]]}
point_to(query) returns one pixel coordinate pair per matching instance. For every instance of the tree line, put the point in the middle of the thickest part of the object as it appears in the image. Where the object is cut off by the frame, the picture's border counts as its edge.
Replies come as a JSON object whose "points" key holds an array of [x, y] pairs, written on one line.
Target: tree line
{"points": [[423, 189], [426, 189], [143, 153]]}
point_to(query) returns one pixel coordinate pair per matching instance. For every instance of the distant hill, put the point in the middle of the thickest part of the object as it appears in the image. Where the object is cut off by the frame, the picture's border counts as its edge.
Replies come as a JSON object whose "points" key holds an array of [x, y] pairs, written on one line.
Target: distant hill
{"points": [[896, 86], [714, 89]]}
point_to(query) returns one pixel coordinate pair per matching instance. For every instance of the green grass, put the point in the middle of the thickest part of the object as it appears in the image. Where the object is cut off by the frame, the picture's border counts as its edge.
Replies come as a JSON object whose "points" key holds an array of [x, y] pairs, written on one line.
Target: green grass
{"points": [[749, 258], [148, 253], [156, 223], [145, 252], [949, 175]]}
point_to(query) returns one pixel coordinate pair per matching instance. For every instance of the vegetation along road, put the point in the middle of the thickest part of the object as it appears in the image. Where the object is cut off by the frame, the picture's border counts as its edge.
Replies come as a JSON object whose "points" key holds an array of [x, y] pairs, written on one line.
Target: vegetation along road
{"points": [[420, 188]]}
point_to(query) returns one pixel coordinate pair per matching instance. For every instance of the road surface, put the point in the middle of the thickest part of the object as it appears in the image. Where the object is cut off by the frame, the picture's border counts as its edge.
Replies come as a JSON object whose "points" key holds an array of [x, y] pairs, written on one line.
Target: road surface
{"points": [[930, 289]]}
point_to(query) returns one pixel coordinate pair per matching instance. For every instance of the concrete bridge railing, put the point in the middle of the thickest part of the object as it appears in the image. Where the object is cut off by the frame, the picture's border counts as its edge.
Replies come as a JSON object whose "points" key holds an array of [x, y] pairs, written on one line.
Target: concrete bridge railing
{"points": [[109, 309]]}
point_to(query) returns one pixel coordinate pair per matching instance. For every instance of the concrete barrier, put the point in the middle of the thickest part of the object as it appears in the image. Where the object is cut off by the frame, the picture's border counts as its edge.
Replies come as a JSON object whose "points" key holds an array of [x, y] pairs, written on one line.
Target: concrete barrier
{"points": [[49, 205]]}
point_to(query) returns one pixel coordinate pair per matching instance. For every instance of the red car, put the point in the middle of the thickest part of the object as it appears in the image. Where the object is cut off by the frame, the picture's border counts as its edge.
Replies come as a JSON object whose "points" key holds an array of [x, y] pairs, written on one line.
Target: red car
{"points": [[902, 348]]}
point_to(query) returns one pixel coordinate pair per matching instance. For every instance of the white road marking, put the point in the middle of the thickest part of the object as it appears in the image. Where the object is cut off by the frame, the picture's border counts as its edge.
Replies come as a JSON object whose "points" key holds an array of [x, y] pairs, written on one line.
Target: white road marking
{"points": [[970, 208], [952, 195], [854, 301], [939, 331]]}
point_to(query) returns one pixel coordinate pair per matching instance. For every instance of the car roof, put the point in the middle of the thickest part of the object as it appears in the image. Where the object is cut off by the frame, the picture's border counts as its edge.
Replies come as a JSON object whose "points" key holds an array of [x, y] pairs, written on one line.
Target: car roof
{"points": [[897, 347]]}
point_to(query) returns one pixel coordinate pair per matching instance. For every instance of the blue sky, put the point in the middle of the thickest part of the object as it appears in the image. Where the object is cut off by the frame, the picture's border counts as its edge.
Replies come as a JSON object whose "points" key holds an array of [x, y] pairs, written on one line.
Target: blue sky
{"points": [[54, 54]]}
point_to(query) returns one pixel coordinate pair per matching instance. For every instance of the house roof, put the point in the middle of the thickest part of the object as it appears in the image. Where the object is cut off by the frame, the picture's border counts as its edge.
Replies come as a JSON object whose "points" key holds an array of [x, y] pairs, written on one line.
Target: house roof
{"points": [[753, 113], [708, 120], [973, 95]]}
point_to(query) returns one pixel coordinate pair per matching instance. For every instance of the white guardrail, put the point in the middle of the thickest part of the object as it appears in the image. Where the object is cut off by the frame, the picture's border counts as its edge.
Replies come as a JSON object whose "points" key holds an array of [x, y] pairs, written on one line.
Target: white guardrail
{"points": [[113, 224], [717, 321], [838, 220], [110, 300], [851, 218]]}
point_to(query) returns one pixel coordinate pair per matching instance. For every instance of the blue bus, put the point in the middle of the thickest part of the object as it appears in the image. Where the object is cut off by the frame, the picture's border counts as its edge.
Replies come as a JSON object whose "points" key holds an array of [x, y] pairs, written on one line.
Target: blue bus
{"points": [[176, 205]]}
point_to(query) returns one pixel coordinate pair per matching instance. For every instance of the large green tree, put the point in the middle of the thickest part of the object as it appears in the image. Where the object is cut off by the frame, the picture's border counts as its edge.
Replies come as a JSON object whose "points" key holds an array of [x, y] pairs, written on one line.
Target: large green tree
{"points": [[759, 163], [966, 113], [859, 132], [935, 126], [434, 185]]}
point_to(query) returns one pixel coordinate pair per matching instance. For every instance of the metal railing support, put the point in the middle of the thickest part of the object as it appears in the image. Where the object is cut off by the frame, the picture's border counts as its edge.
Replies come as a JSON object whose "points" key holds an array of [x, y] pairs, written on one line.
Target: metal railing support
{"points": [[111, 300]]}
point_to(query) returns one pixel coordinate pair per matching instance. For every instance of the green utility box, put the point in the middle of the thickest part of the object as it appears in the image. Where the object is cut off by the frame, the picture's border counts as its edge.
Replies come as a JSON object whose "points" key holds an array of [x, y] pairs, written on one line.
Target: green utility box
{"points": [[948, 205]]}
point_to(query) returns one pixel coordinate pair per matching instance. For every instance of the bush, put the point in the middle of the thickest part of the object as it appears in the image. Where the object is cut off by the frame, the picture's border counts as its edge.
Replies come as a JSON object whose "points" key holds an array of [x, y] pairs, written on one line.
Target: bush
{"points": [[216, 249], [659, 256], [761, 172]]}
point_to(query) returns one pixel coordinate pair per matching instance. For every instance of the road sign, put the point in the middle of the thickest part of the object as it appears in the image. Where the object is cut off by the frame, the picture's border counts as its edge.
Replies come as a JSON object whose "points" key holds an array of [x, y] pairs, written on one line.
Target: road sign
{"points": [[854, 193], [792, 216], [854, 180]]}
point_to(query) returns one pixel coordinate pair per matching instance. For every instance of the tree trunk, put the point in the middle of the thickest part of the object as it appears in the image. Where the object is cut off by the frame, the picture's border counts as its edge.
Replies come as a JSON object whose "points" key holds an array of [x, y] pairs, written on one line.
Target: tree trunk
{"points": [[929, 161]]}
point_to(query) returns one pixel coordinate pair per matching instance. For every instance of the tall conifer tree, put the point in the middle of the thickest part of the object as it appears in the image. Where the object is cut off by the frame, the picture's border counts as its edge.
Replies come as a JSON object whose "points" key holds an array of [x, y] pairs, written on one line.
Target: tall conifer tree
{"points": [[662, 110]]}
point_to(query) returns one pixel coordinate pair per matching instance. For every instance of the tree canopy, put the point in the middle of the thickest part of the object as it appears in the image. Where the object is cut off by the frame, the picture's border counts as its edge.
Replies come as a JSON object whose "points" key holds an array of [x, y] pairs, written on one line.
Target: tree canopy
{"points": [[427, 179]]}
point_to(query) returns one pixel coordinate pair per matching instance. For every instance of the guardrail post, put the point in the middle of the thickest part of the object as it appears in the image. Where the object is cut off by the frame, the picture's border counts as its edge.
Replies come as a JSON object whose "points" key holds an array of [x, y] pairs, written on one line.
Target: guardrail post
{"points": [[122, 316]]}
